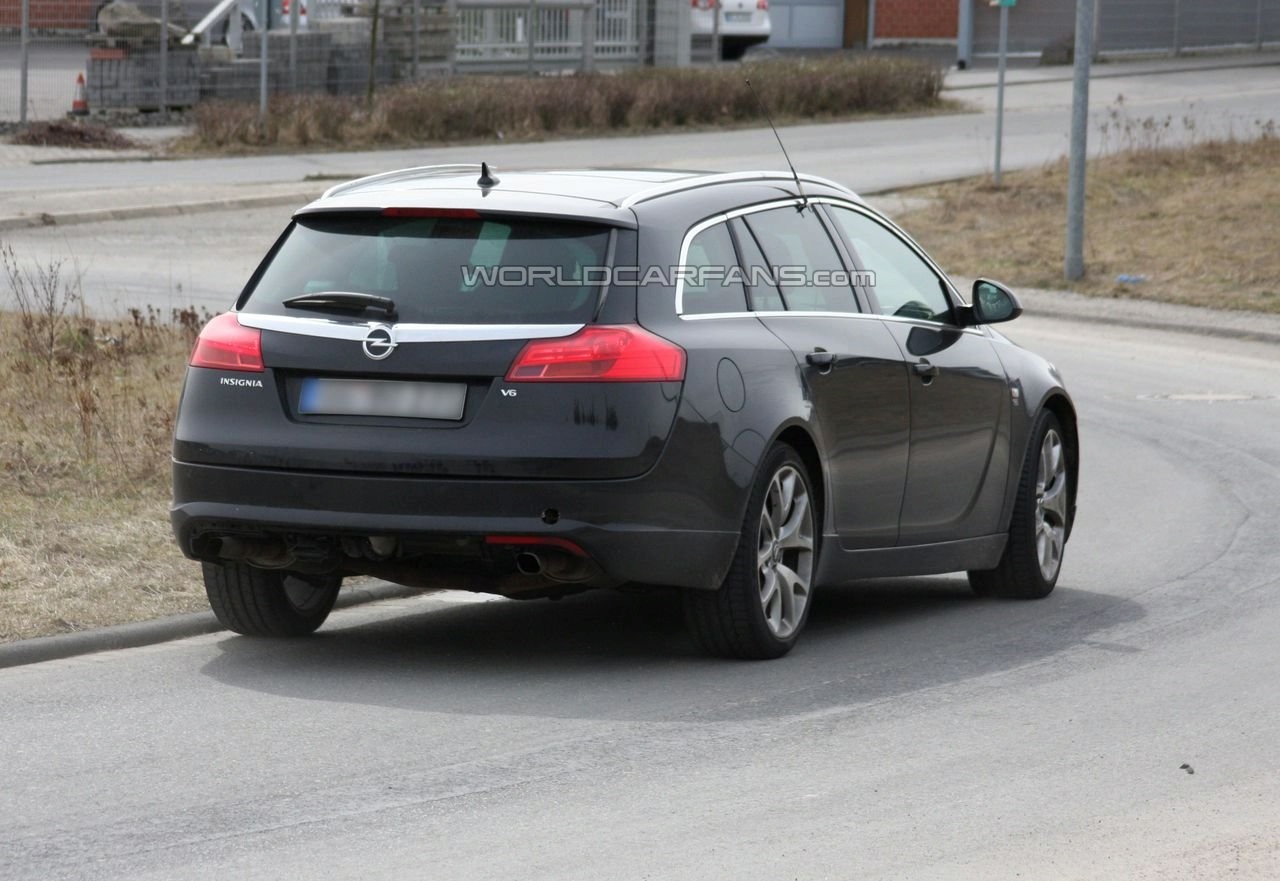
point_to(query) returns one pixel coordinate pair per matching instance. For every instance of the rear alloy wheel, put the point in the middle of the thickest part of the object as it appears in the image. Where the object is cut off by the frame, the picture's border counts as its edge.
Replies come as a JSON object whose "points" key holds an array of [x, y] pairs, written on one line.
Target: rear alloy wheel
{"points": [[267, 602], [764, 602], [1038, 530]]}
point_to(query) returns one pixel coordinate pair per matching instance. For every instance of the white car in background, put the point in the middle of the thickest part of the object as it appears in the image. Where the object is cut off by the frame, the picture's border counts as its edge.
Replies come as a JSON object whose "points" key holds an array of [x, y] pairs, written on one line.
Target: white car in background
{"points": [[743, 24]]}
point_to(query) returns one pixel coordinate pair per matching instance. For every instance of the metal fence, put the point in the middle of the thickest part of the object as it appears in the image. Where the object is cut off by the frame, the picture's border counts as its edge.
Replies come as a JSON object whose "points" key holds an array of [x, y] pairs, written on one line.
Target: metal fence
{"points": [[249, 49], [1131, 26]]}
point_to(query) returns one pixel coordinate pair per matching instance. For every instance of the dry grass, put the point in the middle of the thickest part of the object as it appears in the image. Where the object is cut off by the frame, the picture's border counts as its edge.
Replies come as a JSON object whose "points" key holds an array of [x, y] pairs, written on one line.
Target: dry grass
{"points": [[477, 108], [86, 410], [1199, 223], [72, 133]]}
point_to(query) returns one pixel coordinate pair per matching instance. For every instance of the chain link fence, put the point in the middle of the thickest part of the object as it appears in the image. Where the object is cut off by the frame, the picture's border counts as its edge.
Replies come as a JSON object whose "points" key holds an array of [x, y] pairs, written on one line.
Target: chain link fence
{"points": [[168, 55], [1047, 27]]}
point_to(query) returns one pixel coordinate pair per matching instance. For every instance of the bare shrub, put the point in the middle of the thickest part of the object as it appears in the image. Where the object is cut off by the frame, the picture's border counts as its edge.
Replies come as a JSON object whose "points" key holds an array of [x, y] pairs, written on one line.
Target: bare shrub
{"points": [[514, 107]]}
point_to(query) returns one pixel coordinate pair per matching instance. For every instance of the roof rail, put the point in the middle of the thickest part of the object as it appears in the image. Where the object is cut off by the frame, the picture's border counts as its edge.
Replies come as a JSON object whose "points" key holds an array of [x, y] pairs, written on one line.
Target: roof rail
{"points": [[399, 174], [722, 178]]}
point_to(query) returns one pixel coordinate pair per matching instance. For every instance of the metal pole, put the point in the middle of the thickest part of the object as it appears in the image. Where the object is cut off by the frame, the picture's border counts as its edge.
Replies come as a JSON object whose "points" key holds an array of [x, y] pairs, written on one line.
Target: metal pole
{"points": [[295, 20], [1004, 59], [964, 39], [417, 29], [1260, 2], [715, 31], [528, 33], [1074, 263], [589, 37], [26, 61], [164, 55], [1177, 27], [265, 8], [871, 23]]}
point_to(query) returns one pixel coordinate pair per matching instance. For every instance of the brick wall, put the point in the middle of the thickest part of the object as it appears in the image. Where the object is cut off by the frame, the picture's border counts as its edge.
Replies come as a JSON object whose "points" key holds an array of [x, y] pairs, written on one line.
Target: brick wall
{"points": [[917, 19], [46, 14]]}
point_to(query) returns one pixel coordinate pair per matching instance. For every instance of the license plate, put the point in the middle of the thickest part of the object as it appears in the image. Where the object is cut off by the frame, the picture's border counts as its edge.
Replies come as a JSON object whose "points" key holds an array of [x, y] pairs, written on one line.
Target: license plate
{"points": [[737, 16], [376, 397]]}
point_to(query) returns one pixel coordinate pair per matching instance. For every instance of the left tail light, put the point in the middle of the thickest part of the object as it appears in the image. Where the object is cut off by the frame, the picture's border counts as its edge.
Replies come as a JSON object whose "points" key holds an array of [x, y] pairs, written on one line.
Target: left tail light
{"points": [[600, 353], [225, 345], [762, 5]]}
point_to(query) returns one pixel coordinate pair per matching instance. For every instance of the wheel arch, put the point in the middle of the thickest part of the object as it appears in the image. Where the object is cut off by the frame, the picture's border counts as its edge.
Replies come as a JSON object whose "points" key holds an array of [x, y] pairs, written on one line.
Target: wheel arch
{"points": [[799, 439], [1060, 406]]}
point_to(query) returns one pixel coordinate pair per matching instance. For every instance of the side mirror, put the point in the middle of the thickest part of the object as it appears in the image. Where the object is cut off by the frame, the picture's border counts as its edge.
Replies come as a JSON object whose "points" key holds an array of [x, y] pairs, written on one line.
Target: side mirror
{"points": [[993, 303]]}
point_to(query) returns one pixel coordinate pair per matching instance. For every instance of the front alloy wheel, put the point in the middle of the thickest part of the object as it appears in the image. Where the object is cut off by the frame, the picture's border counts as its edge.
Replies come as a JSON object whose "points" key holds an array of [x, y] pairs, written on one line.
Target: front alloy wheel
{"points": [[1041, 519], [763, 604]]}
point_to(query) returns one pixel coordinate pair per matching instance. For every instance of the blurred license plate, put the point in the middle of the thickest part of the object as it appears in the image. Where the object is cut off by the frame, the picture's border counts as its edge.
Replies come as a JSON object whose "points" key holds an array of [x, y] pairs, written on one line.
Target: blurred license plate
{"points": [[737, 16], [375, 397]]}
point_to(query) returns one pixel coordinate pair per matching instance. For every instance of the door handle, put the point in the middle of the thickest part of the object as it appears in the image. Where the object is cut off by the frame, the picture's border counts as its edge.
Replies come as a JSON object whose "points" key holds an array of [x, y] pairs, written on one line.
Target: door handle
{"points": [[924, 370], [824, 361]]}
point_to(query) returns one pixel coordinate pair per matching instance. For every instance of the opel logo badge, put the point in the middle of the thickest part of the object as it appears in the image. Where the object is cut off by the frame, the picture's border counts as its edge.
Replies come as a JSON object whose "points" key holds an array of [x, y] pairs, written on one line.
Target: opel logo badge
{"points": [[379, 343]]}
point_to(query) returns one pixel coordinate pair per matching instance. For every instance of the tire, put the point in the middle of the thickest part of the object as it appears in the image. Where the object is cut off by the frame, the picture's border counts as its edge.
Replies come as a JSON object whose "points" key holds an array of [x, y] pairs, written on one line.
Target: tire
{"points": [[262, 602], [1032, 558], [764, 602]]}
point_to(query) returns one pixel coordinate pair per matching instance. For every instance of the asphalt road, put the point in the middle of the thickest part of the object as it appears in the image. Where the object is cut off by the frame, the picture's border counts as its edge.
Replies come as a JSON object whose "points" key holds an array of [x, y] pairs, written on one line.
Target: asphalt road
{"points": [[915, 733]]}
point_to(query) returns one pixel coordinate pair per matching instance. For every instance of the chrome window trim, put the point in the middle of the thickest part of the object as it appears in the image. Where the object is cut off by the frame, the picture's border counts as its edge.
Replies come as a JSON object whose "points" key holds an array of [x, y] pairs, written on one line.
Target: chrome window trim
{"points": [[864, 316], [700, 226], [327, 328], [725, 217], [865, 210]]}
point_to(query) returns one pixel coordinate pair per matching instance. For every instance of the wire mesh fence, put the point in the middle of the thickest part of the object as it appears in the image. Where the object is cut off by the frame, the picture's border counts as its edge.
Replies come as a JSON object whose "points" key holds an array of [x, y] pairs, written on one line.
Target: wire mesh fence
{"points": [[1130, 26], [97, 56]]}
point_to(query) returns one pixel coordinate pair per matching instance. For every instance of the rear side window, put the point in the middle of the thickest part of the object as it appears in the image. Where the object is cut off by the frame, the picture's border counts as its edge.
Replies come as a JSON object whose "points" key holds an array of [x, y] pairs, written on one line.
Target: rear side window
{"points": [[811, 276], [446, 270], [713, 282]]}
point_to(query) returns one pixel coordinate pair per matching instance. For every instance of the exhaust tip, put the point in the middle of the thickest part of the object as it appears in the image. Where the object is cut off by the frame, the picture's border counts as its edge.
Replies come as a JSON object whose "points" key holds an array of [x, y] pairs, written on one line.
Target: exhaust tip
{"points": [[529, 563]]}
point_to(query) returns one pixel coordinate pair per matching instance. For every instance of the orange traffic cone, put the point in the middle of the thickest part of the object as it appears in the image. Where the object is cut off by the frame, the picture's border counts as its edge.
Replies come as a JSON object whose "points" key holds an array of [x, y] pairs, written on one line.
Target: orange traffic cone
{"points": [[80, 102]]}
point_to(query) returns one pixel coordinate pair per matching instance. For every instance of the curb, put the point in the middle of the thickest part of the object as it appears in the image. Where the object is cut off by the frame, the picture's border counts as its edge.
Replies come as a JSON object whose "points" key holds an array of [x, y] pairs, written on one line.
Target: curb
{"points": [[1222, 331], [1117, 73], [28, 221], [144, 633]]}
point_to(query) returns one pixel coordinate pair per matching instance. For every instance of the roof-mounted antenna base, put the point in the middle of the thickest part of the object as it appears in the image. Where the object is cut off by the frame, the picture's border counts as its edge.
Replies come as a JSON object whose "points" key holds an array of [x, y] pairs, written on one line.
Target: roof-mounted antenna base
{"points": [[486, 179]]}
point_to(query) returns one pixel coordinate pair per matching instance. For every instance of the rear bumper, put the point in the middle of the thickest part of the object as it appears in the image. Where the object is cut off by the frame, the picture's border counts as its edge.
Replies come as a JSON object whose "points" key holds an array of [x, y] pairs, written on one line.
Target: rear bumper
{"points": [[635, 530]]}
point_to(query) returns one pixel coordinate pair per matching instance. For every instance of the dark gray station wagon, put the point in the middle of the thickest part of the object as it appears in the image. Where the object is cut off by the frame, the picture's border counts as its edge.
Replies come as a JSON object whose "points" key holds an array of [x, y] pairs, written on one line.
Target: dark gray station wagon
{"points": [[744, 386]]}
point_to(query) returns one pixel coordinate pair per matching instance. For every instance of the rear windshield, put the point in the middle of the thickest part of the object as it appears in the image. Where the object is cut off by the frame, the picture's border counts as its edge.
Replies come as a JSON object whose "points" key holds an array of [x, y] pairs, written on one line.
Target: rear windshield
{"points": [[441, 270]]}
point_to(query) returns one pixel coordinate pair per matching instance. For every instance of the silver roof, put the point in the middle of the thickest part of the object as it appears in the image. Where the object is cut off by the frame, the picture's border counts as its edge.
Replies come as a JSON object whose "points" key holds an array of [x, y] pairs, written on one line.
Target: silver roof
{"points": [[604, 194]]}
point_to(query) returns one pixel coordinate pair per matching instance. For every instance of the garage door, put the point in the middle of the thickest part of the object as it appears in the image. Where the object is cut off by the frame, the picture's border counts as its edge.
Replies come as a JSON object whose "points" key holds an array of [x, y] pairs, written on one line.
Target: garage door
{"points": [[808, 24]]}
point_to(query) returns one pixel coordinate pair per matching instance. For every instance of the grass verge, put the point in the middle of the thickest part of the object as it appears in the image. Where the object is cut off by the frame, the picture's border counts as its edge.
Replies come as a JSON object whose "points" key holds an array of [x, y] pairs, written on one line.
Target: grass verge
{"points": [[1198, 224], [477, 108], [86, 410]]}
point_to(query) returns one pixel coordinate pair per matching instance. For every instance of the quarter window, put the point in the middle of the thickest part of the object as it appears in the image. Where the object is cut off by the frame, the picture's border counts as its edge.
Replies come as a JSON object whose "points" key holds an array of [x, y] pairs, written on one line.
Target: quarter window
{"points": [[905, 285], [713, 280]]}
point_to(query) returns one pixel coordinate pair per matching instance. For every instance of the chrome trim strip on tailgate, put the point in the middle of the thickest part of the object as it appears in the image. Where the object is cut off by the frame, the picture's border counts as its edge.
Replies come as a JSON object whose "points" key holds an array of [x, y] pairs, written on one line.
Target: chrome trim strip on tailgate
{"points": [[405, 333]]}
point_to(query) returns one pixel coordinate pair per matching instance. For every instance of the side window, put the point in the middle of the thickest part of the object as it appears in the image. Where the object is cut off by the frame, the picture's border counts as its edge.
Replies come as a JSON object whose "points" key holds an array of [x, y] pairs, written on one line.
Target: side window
{"points": [[809, 271], [715, 284], [761, 288], [905, 285]]}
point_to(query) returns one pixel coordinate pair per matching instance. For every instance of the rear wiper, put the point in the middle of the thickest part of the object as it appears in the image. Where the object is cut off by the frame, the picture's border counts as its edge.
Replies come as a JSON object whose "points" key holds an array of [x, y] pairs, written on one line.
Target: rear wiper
{"points": [[343, 301]]}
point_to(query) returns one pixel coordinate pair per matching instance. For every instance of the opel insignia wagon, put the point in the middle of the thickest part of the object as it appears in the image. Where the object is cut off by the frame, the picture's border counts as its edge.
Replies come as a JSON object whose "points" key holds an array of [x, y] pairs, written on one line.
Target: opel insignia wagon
{"points": [[741, 386]]}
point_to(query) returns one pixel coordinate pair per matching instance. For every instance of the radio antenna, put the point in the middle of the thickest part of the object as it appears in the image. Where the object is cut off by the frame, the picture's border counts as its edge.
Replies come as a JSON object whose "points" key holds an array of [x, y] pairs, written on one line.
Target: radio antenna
{"points": [[804, 200]]}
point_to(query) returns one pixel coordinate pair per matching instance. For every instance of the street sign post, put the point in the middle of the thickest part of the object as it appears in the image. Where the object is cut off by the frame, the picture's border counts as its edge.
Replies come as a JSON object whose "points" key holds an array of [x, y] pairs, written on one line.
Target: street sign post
{"points": [[1004, 5], [1074, 262]]}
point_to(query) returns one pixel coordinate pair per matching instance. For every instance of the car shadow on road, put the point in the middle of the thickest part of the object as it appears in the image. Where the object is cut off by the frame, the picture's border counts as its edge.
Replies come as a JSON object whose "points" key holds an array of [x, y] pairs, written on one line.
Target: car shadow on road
{"points": [[618, 656]]}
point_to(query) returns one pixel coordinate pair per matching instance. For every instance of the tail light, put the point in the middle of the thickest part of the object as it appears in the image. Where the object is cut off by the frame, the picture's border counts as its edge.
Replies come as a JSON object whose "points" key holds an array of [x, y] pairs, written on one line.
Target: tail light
{"points": [[225, 345], [704, 4], [600, 353], [762, 5]]}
